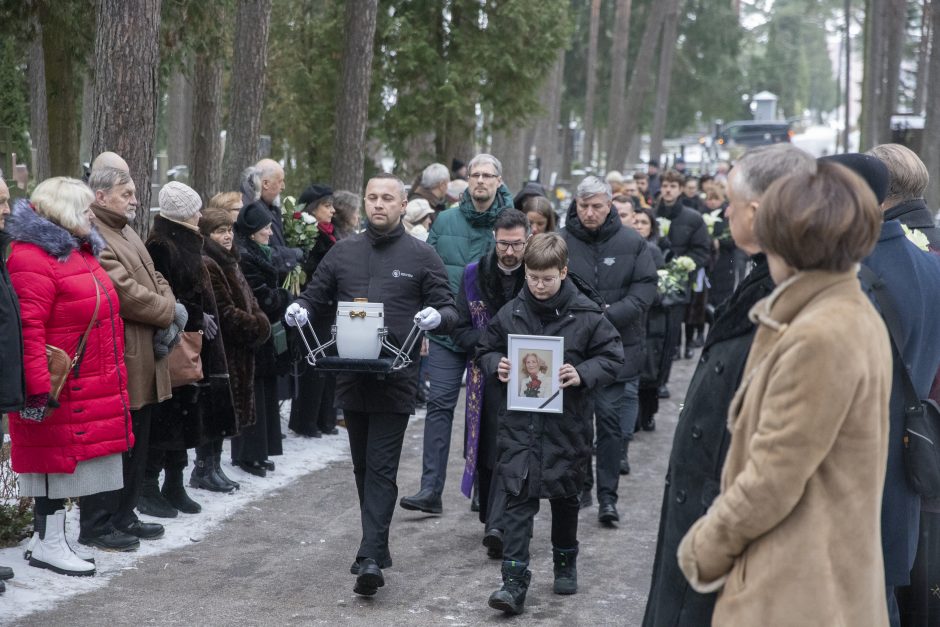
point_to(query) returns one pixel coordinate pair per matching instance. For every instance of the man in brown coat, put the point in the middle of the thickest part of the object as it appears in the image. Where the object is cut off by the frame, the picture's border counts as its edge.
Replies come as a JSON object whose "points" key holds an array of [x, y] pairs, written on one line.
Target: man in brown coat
{"points": [[147, 305]]}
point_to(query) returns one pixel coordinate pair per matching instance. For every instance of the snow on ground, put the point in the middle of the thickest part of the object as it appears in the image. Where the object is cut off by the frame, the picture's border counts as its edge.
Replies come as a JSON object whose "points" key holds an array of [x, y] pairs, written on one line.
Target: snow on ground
{"points": [[34, 589]]}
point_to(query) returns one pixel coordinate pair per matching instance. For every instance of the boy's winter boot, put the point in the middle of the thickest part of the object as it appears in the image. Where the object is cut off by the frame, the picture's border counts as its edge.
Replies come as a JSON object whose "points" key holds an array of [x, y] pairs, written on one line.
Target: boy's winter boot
{"points": [[511, 597], [566, 570]]}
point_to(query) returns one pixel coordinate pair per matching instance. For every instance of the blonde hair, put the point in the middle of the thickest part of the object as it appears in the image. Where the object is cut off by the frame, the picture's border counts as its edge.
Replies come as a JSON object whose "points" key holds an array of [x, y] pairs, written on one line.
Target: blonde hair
{"points": [[543, 367], [229, 201], [63, 201], [907, 175]]}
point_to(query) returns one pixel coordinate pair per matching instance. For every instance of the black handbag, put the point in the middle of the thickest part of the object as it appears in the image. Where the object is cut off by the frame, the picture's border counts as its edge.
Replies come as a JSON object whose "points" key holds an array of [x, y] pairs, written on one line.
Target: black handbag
{"points": [[921, 417]]}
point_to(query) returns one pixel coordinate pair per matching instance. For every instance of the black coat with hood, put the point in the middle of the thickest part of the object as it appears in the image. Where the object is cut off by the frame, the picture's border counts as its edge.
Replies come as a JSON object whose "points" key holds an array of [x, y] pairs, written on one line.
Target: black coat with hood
{"points": [[13, 381], [542, 455], [617, 263], [699, 447], [402, 273]]}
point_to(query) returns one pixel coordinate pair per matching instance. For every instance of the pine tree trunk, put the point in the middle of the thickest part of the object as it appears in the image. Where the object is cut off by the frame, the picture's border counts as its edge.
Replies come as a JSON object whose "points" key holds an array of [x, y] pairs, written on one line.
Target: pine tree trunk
{"points": [[931, 147], [618, 74], [252, 22], [206, 146], [923, 73], [587, 154], [62, 93], [897, 13], [639, 85], [127, 54], [352, 106], [546, 130], [508, 147], [666, 54], [874, 79], [179, 120], [38, 114], [86, 134]]}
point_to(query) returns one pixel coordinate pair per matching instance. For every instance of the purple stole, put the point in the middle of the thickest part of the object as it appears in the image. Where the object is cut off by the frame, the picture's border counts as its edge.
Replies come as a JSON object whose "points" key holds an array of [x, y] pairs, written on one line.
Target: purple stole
{"points": [[479, 317]]}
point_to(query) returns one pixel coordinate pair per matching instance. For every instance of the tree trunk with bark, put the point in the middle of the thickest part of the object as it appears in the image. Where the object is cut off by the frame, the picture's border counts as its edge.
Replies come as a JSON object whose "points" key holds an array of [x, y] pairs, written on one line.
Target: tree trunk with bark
{"points": [[86, 134], [884, 39], [666, 55], [38, 114], [62, 93], [923, 50], [206, 145], [352, 106], [931, 148], [508, 146], [639, 85], [587, 154], [252, 23], [127, 54], [618, 73], [179, 119], [546, 130]]}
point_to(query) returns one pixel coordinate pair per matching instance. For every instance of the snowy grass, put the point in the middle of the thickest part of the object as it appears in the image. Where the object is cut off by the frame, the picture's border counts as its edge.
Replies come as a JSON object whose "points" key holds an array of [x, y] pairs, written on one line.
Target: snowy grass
{"points": [[34, 589]]}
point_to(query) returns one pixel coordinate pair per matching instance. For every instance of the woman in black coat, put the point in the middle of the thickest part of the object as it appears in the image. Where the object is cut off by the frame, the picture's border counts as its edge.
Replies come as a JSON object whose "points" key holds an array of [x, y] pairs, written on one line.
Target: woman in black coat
{"points": [[312, 413], [251, 449], [200, 412]]}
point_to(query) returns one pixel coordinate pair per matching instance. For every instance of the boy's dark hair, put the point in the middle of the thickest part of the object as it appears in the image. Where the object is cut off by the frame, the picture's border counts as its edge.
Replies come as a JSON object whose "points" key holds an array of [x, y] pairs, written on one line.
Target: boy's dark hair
{"points": [[673, 176], [545, 251], [511, 219]]}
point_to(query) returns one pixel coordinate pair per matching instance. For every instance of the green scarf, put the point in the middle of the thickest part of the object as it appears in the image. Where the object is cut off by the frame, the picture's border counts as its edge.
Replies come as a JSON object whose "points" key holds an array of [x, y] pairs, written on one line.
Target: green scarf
{"points": [[486, 219]]}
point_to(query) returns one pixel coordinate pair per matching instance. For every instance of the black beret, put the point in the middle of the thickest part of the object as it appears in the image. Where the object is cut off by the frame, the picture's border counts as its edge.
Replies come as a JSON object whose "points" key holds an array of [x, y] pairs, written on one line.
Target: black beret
{"points": [[312, 194], [868, 167], [252, 218]]}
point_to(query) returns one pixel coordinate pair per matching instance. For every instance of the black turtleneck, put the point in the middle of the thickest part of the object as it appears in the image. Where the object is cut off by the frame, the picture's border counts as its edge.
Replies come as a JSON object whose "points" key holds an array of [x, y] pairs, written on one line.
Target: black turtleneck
{"points": [[381, 238]]}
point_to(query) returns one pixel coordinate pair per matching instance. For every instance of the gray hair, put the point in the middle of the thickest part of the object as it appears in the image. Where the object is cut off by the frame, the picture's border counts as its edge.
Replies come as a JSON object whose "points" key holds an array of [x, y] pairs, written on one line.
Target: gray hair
{"points": [[907, 175], [485, 158], [434, 175], [106, 178], [591, 186], [347, 205], [251, 184], [759, 167]]}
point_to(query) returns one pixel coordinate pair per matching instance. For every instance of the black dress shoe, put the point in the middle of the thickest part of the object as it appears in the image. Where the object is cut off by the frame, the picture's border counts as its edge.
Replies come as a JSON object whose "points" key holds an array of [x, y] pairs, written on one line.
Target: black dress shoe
{"points": [[369, 579], [607, 514], [493, 541], [6, 573], [586, 500], [649, 425], [383, 563], [424, 501], [143, 530], [113, 540], [663, 392], [253, 468], [267, 464]]}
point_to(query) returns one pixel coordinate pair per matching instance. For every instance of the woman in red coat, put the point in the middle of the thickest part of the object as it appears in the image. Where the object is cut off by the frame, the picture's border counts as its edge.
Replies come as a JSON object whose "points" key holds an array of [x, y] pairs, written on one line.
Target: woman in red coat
{"points": [[71, 446]]}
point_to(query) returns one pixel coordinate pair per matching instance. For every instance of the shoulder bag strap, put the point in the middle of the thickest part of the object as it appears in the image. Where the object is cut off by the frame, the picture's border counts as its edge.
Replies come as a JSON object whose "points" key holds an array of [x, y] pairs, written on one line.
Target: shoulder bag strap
{"points": [[91, 323], [889, 314]]}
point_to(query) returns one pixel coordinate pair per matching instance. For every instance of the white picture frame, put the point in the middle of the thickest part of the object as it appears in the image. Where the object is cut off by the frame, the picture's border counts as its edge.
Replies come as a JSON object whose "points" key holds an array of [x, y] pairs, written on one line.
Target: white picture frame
{"points": [[534, 385]]}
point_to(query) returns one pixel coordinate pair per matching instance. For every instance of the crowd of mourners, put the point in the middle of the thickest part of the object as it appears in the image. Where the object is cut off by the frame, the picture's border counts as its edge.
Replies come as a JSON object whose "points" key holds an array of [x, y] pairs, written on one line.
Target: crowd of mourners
{"points": [[808, 286]]}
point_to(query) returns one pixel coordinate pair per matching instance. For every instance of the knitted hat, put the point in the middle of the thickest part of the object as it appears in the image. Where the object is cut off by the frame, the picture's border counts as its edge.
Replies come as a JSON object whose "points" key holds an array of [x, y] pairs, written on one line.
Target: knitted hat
{"points": [[179, 202], [252, 218], [417, 210], [313, 194], [214, 218], [868, 167]]}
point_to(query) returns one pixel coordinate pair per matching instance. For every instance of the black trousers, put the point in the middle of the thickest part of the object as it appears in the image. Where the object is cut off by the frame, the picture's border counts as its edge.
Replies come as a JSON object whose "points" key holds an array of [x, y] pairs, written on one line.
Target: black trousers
{"points": [[312, 407], [169, 459], [209, 450], [517, 525], [492, 498], [117, 509], [649, 405], [375, 442], [262, 439]]}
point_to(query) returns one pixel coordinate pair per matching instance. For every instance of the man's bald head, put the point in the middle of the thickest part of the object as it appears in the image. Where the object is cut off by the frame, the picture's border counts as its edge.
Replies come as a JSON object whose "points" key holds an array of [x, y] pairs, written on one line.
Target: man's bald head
{"points": [[109, 160], [272, 179]]}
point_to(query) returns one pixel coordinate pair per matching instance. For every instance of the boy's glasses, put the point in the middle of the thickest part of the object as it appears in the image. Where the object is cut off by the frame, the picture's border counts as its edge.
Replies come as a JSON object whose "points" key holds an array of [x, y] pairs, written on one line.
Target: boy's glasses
{"points": [[543, 281]]}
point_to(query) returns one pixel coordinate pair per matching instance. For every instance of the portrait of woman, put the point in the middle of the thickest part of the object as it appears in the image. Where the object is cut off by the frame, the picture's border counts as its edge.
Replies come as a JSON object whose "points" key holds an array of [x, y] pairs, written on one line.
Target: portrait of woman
{"points": [[534, 382]]}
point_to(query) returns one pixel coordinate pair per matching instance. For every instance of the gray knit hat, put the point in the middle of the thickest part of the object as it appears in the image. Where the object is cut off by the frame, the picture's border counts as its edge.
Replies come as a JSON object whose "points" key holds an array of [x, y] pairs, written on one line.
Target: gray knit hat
{"points": [[179, 202]]}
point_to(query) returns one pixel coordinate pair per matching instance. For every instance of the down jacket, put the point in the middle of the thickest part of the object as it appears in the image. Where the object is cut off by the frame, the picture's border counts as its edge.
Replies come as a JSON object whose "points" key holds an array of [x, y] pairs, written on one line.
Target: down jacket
{"points": [[617, 263], [56, 277], [541, 455], [793, 537]]}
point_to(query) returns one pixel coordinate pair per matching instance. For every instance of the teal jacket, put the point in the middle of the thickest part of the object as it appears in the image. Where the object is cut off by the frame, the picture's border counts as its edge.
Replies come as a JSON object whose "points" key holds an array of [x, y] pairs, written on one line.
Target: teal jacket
{"points": [[461, 236]]}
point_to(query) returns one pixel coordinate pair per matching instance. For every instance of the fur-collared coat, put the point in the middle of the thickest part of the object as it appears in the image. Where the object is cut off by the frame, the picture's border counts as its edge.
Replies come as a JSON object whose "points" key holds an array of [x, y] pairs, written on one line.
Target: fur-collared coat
{"points": [[793, 537], [244, 326], [203, 411]]}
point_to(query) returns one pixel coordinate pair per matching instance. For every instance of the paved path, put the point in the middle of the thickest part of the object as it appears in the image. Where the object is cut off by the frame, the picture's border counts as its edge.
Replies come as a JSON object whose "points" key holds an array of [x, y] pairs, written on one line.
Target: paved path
{"points": [[284, 559]]}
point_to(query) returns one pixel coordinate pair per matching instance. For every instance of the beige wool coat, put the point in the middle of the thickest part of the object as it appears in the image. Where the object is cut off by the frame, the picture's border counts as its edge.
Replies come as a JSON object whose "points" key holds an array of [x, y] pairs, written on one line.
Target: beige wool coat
{"points": [[794, 538], [147, 304]]}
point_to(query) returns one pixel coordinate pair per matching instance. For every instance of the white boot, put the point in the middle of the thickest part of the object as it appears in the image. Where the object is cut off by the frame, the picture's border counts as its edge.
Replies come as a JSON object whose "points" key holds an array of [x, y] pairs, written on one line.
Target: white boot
{"points": [[52, 551], [77, 549]]}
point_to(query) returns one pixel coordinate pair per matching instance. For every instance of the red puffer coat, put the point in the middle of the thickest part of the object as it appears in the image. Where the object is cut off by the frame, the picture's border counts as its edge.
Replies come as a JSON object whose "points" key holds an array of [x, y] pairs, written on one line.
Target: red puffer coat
{"points": [[55, 277]]}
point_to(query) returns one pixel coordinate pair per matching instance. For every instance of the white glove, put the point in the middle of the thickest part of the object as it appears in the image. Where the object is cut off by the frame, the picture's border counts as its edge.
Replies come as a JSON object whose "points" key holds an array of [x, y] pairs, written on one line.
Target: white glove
{"points": [[296, 315], [428, 318]]}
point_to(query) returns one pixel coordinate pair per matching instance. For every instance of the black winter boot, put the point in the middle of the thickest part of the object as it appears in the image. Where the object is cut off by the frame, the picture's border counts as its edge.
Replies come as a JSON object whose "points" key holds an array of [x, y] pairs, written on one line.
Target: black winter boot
{"points": [[152, 502], [204, 477], [566, 570], [175, 494], [217, 467], [624, 463], [511, 597]]}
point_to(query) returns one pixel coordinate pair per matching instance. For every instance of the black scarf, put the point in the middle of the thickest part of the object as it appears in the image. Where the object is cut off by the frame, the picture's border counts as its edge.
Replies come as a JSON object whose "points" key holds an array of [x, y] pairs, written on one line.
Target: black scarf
{"points": [[382, 238], [553, 307]]}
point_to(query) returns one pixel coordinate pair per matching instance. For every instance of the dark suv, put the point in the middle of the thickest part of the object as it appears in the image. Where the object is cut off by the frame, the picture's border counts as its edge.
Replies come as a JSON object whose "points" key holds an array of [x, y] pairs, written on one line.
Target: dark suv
{"points": [[751, 133]]}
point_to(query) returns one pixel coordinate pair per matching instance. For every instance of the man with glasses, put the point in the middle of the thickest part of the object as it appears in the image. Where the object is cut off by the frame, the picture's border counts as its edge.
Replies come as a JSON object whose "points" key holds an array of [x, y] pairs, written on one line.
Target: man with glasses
{"points": [[616, 262], [488, 285], [460, 236]]}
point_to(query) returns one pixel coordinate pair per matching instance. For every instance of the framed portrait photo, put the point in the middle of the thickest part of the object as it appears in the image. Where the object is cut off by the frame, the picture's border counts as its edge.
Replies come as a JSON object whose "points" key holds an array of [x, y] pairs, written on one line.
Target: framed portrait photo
{"points": [[533, 377]]}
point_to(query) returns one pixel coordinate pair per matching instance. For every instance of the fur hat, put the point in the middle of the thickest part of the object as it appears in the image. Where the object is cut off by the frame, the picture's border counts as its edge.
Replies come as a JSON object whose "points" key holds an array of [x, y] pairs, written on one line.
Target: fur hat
{"points": [[870, 168], [417, 210], [179, 202], [312, 195], [252, 218]]}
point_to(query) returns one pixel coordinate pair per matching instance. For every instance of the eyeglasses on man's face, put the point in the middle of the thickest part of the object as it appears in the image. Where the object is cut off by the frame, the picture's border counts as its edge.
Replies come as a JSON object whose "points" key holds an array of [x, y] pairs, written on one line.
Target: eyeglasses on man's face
{"points": [[484, 176], [503, 246], [544, 281]]}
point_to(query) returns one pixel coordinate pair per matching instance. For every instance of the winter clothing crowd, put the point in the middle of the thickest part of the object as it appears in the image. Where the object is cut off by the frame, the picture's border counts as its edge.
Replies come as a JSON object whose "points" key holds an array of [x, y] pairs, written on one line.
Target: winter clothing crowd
{"points": [[786, 499]]}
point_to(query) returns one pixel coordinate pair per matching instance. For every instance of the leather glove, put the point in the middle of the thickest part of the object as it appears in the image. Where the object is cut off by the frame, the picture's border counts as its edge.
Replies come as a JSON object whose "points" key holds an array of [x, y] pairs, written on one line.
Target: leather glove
{"points": [[210, 328], [428, 319], [296, 315]]}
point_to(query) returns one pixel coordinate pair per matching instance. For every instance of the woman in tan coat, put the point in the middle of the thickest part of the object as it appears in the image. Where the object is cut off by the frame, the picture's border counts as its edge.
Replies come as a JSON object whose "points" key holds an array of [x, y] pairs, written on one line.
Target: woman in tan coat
{"points": [[794, 537]]}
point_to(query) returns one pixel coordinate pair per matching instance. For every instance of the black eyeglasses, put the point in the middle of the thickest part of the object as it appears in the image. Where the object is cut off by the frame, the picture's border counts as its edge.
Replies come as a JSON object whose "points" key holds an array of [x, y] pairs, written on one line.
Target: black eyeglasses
{"points": [[504, 246], [486, 176]]}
